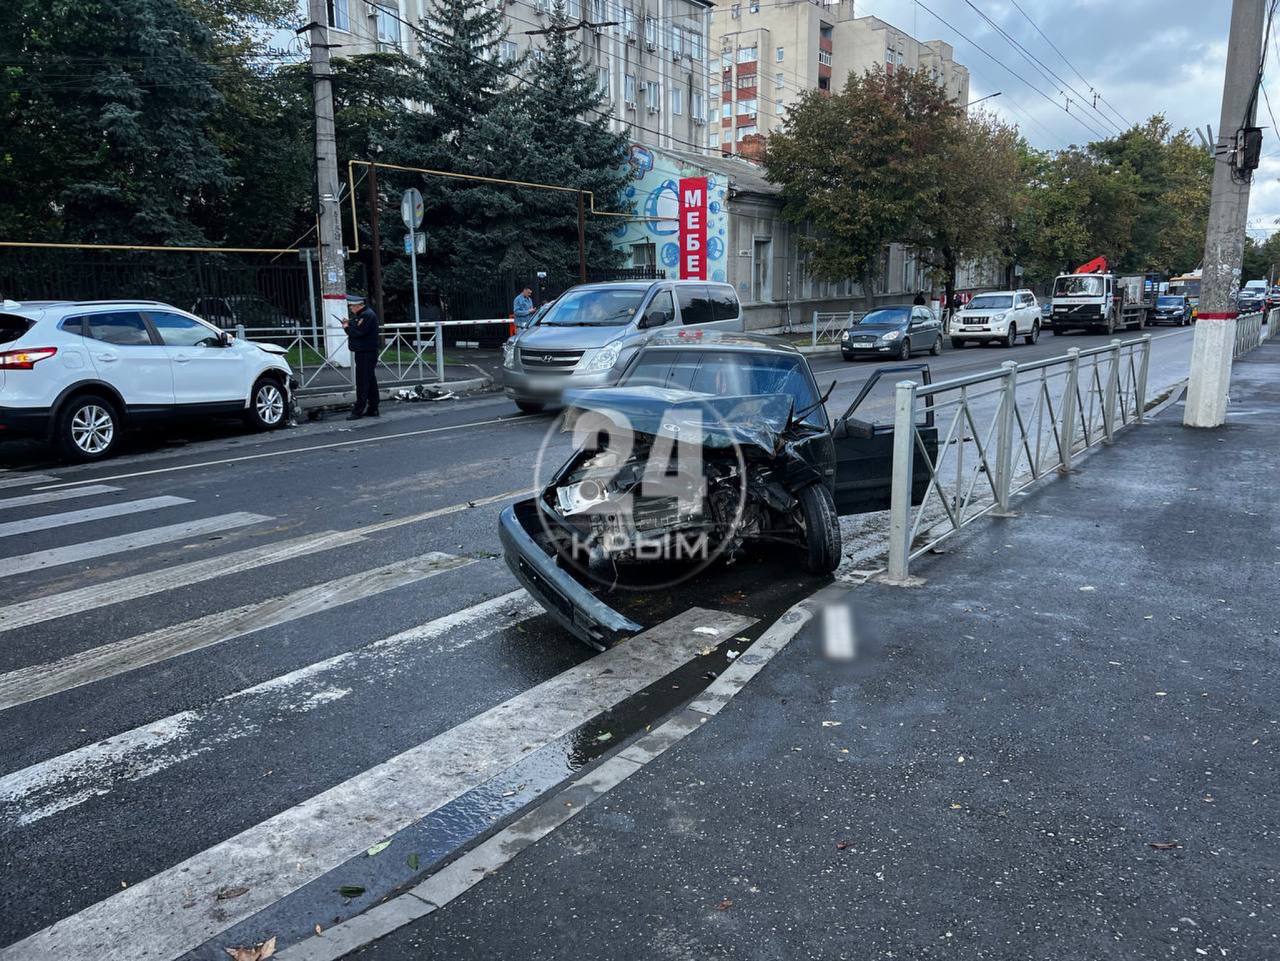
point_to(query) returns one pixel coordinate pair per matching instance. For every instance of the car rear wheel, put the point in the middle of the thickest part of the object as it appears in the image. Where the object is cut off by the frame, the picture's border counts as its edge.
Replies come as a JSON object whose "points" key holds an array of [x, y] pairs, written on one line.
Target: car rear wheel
{"points": [[821, 529], [88, 429], [530, 406], [268, 405], [1032, 337]]}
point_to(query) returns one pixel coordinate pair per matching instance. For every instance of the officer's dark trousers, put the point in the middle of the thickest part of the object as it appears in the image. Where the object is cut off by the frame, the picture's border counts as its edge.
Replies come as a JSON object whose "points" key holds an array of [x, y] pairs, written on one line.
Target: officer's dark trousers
{"points": [[366, 382]]}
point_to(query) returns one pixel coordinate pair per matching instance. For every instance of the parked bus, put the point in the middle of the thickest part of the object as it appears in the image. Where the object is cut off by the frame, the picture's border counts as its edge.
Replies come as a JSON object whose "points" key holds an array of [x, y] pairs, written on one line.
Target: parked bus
{"points": [[1188, 285]]}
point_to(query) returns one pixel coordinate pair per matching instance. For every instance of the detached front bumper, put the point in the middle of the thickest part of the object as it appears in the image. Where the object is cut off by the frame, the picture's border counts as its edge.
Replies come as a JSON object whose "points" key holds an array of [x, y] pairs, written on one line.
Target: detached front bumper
{"points": [[566, 599]]}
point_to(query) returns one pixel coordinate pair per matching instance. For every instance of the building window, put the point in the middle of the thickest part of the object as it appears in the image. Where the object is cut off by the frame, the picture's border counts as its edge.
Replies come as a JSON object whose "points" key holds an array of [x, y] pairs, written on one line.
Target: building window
{"points": [[696, 49], [735, 11], [779, 81], [748, 55], [726, 111], [602, 81], [572, 9], [677, 100], [628, 22], [747, 107], [889, 55], [714, 89], [761, 270], [755, 6], [652, 95], [698, 107], [713, 138], [651, 31], [746, 80], [677, 41], [597, 11], [629, 88], [507, 51], [824, 57], [643, 255], [746, 131], [539, 55], [780, 54], [340, 14], [388, 24]]}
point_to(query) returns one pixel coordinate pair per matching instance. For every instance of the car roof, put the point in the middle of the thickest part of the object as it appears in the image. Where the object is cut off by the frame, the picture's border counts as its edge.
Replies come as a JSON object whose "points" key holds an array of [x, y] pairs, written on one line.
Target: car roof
{"points": [[644, 284], [720, 340]]}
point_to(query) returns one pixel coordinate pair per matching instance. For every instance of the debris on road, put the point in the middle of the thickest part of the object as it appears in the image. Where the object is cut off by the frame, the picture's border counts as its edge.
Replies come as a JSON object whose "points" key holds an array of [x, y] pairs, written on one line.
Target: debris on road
{"points": [[226, 894], [1163, 845], [378, 848], [257, 952]]}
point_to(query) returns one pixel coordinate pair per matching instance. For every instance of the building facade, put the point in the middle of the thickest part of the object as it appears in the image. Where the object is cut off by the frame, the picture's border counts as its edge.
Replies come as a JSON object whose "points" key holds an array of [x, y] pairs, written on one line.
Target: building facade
{"points": [[652, 58], [771, 52]]}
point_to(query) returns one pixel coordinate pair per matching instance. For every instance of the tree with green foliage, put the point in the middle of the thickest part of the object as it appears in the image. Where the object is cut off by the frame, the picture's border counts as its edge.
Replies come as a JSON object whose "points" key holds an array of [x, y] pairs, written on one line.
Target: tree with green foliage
{"points": [[861, 167]]}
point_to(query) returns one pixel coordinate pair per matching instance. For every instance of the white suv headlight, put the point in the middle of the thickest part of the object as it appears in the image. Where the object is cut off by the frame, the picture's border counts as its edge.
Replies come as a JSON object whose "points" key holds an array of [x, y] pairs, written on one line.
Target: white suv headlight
{"points": [[603, 358], [509, 354]]}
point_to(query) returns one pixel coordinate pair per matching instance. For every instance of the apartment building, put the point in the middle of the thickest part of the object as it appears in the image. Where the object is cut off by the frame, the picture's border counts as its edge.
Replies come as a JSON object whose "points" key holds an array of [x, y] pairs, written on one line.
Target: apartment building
{"points": [[771, 51], [652, 58]]}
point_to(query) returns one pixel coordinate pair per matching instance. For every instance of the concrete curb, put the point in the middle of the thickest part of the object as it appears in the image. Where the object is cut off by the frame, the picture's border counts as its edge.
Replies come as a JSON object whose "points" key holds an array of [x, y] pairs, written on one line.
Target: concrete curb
{"points": [[334, 400], [459, 876]]}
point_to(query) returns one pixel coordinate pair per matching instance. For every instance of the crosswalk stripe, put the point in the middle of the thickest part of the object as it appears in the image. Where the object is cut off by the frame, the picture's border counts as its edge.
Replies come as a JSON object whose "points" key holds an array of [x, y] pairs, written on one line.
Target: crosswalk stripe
{"points": [[42, 680], [22, 480], [49, 497], [56, 556], [177, 910], [60, 783], [67, 518], [78, 600]]}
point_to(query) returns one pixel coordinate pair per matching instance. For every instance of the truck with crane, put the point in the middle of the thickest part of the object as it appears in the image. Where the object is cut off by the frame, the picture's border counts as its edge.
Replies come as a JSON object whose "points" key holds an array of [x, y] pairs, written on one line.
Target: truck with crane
{"points": [[1093, 298]]}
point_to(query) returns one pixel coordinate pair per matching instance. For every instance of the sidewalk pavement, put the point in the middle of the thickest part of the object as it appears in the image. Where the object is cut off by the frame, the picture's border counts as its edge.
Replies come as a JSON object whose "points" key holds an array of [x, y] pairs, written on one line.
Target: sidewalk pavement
{"points": [[1064, 745]]}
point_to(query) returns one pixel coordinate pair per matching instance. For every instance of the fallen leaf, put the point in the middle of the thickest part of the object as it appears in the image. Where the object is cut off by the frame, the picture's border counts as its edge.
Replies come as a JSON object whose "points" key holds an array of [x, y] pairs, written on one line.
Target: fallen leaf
{"points": [[960, 759], [955, 807], [378, 848], [731, 654], [258, 952], [319, 930], [707, 651], [711, 631], [226, 894], [606, 736], [841, 845], [1163, 845], [725, 905], [413, 861], [351, 890]]}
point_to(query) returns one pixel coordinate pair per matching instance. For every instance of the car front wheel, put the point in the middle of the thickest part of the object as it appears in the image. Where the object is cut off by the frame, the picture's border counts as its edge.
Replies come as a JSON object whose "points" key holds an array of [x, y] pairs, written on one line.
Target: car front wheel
{"points": [[88, 429], [821, 529], [904, 350], [268, 405], [1011, 335]]}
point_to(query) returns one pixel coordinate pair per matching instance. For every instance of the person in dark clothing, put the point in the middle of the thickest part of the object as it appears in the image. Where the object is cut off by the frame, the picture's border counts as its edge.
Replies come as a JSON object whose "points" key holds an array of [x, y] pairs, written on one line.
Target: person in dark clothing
{"points": [[918, 301], [362, 338]]}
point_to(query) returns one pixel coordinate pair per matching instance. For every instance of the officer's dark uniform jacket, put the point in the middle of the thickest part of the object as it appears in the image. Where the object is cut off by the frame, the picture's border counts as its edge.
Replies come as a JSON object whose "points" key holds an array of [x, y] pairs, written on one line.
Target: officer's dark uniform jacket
{"points": [[362, 332]]}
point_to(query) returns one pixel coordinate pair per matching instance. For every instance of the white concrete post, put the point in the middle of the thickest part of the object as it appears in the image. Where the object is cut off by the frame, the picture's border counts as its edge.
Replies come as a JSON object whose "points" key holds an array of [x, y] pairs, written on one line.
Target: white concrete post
{"points": [[814, 340], [1006, 436], [1140, 388], [1110, 393], [904, 440], [1067, 432]]}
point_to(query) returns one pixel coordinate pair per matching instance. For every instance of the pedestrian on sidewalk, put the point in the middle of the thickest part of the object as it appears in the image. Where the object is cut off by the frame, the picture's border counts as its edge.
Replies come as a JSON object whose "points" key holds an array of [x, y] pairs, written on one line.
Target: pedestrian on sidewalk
{"points": [[362, 338], [918, 300], [522, 308]]}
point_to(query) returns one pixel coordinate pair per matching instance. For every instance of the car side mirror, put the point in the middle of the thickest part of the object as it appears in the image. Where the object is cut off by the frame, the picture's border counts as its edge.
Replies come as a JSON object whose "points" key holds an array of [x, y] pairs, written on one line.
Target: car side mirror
{"points": [[225, 339], [852, 427]]}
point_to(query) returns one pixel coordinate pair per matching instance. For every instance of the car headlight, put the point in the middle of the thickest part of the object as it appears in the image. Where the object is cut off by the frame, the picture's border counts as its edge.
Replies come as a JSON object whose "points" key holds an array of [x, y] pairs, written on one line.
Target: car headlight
{"points": [[892, 335], [509, 354], [845, 336], [1000, 318], [603, 359]]}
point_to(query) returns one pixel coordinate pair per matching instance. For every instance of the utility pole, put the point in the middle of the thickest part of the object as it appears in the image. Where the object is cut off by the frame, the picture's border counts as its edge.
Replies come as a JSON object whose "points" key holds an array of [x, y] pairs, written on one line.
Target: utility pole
{"points": [[333, 268], [1215, 332], [375, 245], [582, 242]]}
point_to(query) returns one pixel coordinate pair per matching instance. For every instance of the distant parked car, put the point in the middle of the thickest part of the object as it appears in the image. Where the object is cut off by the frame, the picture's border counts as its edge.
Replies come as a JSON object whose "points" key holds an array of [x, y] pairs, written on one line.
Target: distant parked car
{"points": [[893, 332], [259, 316], [1251, 300], [1171, 309], [1000, 317], [78, 373]]}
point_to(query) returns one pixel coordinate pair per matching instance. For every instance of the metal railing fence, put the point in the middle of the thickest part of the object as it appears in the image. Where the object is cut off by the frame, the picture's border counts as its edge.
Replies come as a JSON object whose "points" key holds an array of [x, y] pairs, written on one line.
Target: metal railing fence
{"points": [[1252, 330], [829, 326], [995, 433]]}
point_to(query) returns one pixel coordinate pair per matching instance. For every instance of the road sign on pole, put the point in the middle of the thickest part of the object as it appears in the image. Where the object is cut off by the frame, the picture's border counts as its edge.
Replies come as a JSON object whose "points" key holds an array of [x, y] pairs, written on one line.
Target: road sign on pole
{"points": [[411, 208], [415, 242]]}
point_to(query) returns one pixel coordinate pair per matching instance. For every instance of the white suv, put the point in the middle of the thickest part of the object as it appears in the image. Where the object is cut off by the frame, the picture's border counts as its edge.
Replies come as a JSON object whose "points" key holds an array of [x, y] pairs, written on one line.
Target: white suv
{"points": [[78, 373], [1000, 317]]}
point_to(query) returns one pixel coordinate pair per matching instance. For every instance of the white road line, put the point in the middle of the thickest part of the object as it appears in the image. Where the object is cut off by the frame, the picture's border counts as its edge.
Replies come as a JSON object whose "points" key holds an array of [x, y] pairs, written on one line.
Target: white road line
{"points": [[357, 442], [26, 480], [49, 496], [67, 518], [44, 789], [55, 556], [177, 910], [40, 609], [108, 660]]}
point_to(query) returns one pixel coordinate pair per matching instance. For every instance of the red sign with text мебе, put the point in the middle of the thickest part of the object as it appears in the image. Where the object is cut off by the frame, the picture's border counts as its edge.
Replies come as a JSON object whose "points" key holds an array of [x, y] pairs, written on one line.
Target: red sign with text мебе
{"points": [[693, 228]]}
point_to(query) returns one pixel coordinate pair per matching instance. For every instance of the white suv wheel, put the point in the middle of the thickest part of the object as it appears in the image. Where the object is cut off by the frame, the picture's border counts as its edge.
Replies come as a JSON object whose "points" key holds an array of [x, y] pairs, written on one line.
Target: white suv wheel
{"points": [[270, 404], [92, 429]]}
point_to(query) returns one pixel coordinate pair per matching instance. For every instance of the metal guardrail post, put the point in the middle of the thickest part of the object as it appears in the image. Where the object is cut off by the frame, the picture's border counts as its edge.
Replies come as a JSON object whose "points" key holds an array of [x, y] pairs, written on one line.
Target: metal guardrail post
{"points": [[1067, 432], [1140, 388], [239, 331], [1110, 393], [1006, 439], [814, 340], [904, 442]]}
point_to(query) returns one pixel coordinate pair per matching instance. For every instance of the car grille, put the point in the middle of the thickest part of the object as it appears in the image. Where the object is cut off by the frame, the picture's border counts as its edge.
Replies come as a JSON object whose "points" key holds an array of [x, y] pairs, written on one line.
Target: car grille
{"points": [[550, 361]]}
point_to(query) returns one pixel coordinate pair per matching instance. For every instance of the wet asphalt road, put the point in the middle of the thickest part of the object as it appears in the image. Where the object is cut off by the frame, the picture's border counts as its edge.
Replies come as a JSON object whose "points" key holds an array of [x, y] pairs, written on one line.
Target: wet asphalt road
{"points": [[125, 749]]}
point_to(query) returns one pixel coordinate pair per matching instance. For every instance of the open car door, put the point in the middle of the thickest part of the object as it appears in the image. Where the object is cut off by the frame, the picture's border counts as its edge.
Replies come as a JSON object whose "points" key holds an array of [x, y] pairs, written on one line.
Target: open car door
{"points": [[864, 443]]}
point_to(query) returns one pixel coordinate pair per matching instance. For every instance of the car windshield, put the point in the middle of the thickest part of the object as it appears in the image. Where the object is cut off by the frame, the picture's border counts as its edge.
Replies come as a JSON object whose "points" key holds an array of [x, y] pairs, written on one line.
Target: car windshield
{"points": [[729, 373], [1169, 301], [594, 308], [991, 302], [891, 316], [1078, 287]]}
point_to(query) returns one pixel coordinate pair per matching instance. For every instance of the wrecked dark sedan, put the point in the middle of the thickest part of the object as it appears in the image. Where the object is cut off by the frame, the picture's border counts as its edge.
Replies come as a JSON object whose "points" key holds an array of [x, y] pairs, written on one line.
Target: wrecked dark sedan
{"points": [[709, 443]]}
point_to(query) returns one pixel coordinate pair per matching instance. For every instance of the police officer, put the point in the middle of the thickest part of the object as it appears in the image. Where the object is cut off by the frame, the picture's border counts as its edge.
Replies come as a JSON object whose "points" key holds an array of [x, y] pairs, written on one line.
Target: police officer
{"points": [[362, 338]]}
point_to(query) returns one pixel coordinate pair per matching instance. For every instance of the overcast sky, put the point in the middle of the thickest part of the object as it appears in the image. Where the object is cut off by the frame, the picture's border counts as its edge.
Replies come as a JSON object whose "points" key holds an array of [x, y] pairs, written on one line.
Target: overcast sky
{"points": [[1143, 56]]}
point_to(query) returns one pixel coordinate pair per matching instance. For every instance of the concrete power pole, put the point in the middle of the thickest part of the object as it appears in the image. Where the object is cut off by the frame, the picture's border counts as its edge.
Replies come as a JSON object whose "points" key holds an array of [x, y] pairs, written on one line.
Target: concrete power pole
{"points": [[1215, 333], [333, 268]]}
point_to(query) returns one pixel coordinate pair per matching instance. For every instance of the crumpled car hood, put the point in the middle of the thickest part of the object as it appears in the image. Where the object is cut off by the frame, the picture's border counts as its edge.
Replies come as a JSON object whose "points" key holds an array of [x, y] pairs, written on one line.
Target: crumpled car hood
{"points": [[758, 420]]}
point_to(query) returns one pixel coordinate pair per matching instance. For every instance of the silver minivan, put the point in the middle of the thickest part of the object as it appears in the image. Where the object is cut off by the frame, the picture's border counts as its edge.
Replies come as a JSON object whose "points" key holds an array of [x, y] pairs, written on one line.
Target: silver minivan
{"points": [[590, 333]]}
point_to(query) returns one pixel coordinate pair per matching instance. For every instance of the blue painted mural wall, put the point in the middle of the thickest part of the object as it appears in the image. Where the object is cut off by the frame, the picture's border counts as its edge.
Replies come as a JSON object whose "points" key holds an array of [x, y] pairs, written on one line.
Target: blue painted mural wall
{"points": [[657, 176]]}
